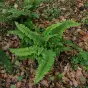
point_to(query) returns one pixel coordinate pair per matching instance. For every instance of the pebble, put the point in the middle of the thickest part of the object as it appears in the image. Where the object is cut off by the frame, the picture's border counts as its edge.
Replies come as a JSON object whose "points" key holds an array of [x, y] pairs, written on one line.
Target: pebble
{"points": [[45, 83]]}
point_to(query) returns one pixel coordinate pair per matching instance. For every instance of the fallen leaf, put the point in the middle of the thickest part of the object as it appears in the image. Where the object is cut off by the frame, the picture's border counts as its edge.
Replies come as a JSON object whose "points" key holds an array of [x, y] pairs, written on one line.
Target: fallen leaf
{"points": [[18, 85], [45, 83], [75, 83]]}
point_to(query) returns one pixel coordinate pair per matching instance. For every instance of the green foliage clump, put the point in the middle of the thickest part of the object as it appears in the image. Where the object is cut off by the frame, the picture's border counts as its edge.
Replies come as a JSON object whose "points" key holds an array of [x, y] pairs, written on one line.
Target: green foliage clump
{"points": [[17, 9], [81, 58], [43, 47], [50, 10], [5, 61]]}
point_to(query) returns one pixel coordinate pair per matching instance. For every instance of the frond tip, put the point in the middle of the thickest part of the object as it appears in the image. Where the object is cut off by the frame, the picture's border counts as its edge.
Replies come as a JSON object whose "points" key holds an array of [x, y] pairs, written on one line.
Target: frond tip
{"points": [[21, 52], [59, 28], [28, 33]]}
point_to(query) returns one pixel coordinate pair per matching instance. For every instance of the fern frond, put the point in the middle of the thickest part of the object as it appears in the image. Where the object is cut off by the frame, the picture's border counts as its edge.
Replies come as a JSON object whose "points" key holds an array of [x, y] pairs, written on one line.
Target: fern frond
{"points": [[45, 65], [32, 35], [50, 36], [22, 52], [49, 29], [15, 13], [59, 28], [39, 50], [63, 26], [4, 60], [17, 32]]}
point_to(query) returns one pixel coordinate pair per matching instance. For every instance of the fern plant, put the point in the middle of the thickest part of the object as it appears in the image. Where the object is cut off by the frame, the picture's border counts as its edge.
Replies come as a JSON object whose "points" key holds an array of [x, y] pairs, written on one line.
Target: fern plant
{"points": [[23, 8], [5, 61], [45, 46]]}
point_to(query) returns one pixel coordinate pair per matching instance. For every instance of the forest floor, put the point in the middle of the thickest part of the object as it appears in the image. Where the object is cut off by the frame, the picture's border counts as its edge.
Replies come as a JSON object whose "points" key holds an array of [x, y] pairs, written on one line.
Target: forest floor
{"points": [[62, 74]]}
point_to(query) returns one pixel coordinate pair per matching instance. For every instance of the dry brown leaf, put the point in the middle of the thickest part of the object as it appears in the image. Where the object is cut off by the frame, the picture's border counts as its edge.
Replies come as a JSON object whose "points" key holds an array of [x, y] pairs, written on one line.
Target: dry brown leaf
{"points": [[65, 79], [84, 36], [81, 32], [75, 83], [72, 74], [58, 85], [78, 74], [18, 85]]}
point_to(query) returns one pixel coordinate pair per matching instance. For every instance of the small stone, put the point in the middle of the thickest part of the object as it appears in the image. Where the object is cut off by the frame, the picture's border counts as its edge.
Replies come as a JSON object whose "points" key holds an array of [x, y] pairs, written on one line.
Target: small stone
{"points": [[74, 38], [15, 6], [45, 83], [3, 71], [78, 30]]}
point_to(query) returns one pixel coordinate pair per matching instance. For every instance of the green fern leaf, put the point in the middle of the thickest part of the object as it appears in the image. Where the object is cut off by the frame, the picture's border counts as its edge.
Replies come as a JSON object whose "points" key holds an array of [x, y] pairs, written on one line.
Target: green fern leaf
{"points": [[39, 50], [50, 36], [15, 13], [64, 25], [22, 52], [18, 33], [45, 64], [4, 60], [32, 35], [49, 29], [59, 28]]}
